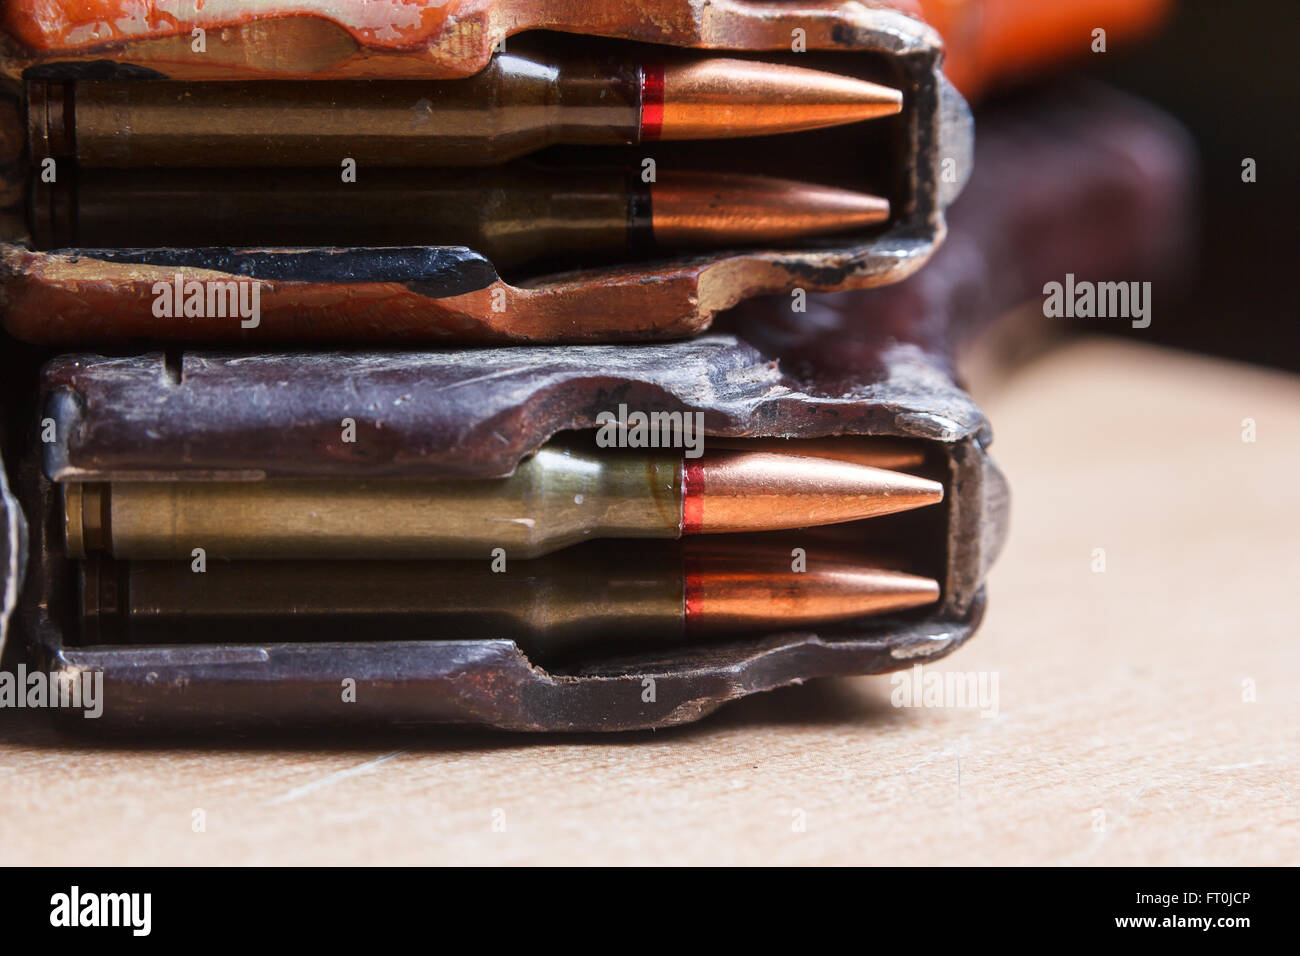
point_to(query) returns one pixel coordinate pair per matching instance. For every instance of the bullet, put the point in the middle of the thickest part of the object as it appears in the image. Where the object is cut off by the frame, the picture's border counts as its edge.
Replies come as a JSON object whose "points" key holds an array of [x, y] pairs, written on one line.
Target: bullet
{"points": [[514, 215], [555, 498], [600, 594], [876, 452], [519, 104]]}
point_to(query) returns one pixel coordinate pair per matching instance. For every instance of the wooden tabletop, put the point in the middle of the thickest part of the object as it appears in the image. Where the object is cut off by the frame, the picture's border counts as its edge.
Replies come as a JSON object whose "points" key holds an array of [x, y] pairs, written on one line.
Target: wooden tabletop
{"points": [[1148, 713]]}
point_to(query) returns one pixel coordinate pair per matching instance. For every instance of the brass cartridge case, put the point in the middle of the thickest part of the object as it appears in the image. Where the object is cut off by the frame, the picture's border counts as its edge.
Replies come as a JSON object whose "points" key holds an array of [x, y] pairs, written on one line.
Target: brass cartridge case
{"points": [[612, 593], [555, 498]]}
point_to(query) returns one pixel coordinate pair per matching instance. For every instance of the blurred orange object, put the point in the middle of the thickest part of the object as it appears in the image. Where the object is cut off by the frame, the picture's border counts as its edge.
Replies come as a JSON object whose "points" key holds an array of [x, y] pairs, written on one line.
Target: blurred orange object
{"points": [[990, 42]]}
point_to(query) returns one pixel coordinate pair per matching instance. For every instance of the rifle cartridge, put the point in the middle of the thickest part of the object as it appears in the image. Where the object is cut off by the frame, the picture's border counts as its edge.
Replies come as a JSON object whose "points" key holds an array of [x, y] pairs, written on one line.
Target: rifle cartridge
{"points": [[515, 215], [555, 498], [600, 594], [517, 105]]}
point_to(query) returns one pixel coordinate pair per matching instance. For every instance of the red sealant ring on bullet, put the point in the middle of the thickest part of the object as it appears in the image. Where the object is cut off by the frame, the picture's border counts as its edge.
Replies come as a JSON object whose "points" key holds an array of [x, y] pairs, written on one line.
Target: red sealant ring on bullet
{"points": [[692, 496], [652, 100]]}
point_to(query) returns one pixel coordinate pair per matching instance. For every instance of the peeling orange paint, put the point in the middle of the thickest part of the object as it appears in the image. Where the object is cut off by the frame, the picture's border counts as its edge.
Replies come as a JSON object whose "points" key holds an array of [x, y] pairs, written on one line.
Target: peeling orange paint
{"points": [[390, 38]]}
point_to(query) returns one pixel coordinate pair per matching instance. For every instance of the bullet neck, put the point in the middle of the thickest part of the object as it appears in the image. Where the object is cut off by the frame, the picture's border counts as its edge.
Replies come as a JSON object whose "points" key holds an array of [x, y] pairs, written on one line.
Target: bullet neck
{"points": [[86, 513], [50, 126], [599, 102], [611, 495], [640, 216]]}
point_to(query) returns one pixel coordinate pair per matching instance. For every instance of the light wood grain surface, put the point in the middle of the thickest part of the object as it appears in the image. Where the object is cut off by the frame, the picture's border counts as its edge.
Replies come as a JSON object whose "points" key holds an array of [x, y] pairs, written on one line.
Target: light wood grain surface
{"points": [[1122, 734]]}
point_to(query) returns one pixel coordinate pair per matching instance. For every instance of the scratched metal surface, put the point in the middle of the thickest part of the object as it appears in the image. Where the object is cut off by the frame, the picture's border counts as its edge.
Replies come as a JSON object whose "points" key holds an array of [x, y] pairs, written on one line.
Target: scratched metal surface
{"points": [[72, 296], [470, 413], [463, 413], [875, 362], [438, 38]]}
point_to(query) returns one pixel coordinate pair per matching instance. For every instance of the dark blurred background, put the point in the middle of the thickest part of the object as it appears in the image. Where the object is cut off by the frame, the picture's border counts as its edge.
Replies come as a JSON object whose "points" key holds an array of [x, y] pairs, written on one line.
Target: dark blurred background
{"points": [[1229, 72]]}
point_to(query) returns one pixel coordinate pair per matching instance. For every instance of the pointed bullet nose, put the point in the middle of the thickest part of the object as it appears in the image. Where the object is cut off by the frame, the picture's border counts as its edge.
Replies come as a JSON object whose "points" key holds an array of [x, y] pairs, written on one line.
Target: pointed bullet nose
{"points": [[721, 98], [721, 596], [697, 209], [729, 491]]}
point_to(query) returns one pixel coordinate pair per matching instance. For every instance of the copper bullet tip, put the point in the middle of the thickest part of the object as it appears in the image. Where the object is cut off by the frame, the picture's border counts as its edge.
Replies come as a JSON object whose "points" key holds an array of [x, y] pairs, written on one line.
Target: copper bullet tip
{"points": [[719, 98], [740, 594], [877, 452], [698, 209], [729, 491]]}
